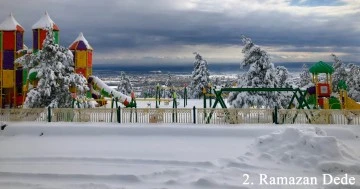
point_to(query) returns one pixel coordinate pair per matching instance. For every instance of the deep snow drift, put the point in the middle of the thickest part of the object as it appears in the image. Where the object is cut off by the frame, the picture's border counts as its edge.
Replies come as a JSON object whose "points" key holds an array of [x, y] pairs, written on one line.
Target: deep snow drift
{"points": [[303, 147], [102, 156]]}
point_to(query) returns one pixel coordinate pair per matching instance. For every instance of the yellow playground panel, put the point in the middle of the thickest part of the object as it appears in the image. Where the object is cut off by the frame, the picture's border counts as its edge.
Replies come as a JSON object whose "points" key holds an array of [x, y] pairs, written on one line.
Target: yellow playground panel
{"points": [[8, 78], [81, 59], [347, 102]]}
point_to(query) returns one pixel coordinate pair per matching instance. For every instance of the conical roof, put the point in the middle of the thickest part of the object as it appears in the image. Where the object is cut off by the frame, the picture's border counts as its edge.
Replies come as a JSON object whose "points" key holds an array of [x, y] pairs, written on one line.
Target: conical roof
{"points": [[321, 67], [45, 22], [80, 43], [10, 24]]}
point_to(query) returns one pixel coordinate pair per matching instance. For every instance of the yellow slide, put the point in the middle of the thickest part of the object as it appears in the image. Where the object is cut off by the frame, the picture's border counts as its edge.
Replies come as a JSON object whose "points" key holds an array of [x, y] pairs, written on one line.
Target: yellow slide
{"points": [[347, 102], [351, 104]]}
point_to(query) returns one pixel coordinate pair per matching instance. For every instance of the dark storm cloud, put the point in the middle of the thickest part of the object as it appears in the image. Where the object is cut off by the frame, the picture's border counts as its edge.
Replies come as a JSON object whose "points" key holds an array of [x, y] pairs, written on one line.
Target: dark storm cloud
{"points": [[143, 31], [114, 25]]}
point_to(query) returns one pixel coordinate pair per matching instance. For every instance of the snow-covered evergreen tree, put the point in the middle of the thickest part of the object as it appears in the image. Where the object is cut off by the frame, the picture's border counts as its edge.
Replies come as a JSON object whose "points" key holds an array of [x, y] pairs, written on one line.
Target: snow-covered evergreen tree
{"points": [[353, 82], [200, 77], [169, 90], [281, 75], [339, 73], [261, 74], [282, 81], [305, 77], [55, 70], [124, 86]]}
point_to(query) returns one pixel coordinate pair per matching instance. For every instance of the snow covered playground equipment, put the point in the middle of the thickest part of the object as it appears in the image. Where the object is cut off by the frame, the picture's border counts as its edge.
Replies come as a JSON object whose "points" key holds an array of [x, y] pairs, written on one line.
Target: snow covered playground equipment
{"points": [[99, 89], [313, 104], [15, 80]]}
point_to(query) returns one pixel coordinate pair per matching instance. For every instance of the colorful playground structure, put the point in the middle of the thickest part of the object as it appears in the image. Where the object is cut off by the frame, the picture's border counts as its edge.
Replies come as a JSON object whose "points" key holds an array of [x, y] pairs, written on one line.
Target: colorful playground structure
{"points": [[320, 95], [15, 80]]}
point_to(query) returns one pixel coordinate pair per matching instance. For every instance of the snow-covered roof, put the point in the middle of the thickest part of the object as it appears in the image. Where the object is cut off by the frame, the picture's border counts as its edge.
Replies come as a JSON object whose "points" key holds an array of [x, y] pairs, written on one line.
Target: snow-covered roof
{"points": [[10, 24], [45, 22], [80, 43]]}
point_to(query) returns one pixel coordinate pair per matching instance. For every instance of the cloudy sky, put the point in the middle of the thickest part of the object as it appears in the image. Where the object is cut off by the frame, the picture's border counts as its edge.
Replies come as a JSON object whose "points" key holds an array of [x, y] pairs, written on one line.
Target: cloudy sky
{"points": [[169, 31]]}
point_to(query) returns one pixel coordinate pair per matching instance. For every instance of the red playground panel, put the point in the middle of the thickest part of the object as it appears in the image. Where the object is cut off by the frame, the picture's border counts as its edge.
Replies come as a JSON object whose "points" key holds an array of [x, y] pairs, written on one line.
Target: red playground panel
{"points": [[19, 100], [9, 40]]}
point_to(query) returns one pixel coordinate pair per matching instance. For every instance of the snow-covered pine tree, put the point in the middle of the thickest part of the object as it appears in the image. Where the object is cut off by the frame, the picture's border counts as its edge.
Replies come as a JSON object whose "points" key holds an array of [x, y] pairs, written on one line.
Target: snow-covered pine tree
{"points": [[261, 74], [339, 73], [124, 86], [168, 92], [281, 75], [353, 82], [305, 77], [282, 81], [55, 70], [200, 77]]}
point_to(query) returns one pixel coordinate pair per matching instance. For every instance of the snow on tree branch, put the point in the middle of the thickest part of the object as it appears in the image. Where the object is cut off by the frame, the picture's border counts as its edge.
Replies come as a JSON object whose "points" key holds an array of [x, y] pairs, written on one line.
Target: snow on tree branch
{"points": [[200, 77], [54, 69], [261, 74]]}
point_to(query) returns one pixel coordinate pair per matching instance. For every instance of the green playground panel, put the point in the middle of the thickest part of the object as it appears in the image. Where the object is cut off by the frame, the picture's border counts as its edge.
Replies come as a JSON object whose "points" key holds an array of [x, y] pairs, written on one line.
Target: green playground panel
{"points": [[56, 36], [334, 103], [24, 77]]}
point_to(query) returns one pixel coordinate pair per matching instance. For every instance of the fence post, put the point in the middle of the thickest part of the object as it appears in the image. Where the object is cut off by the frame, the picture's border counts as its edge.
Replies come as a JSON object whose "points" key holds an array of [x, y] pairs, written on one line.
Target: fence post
{"points": [[194, 115], [136, 115], [118, 114], [185, 96], [49, 114], [275, 115], [210, 97]]}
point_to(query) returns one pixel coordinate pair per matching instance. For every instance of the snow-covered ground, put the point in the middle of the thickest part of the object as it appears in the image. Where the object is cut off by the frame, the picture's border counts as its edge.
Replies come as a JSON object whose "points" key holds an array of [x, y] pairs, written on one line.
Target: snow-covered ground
{"points": [[103, 156]]}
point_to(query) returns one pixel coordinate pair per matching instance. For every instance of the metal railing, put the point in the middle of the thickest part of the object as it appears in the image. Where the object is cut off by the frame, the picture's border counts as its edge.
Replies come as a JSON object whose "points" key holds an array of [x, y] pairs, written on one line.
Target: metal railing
{"points": [[34, 114], [196, 116], [158, 115], [319, 116], [234, 116], [83, 115]]}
